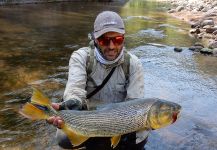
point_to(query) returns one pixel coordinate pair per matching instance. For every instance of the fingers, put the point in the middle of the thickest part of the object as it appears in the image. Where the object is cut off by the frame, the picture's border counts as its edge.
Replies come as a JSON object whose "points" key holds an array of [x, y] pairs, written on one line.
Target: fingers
{"points": [[56, 121], [50, 120], [56, 106]]}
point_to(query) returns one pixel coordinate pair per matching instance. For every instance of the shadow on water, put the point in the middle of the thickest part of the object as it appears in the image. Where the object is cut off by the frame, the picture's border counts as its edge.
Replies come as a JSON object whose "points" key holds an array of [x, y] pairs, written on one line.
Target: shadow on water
{"points": [[36, 42]]}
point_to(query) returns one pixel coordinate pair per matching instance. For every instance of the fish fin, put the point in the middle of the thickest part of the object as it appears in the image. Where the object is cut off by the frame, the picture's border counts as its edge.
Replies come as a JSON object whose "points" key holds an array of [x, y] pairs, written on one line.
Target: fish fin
{"points": [[39, 98], [32, 112], [74, 138], [115, 140]]}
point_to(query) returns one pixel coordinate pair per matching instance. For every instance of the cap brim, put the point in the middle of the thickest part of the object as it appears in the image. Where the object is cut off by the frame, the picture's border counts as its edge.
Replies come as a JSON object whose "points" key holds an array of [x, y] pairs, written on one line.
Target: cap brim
{"points": [[101, 32]]}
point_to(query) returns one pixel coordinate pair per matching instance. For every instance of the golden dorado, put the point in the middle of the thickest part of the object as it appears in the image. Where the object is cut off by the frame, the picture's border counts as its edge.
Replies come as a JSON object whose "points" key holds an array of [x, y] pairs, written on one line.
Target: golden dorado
{"points": [[113, 120]]}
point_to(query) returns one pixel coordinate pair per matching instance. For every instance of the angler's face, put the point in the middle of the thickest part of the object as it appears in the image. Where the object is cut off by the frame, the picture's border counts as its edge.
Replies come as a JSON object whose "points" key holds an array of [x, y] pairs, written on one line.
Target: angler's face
{"points": [[163, 114], [111, 44]]}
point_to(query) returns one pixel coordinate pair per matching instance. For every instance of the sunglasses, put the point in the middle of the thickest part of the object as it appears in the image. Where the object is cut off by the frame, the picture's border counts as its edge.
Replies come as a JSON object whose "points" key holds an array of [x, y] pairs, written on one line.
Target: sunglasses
{"points": [[105, 41]]}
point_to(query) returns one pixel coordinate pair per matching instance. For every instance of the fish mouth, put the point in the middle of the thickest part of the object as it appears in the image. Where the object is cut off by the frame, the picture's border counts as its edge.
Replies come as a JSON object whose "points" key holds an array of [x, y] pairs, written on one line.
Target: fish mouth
{"points": [[175, 116]]}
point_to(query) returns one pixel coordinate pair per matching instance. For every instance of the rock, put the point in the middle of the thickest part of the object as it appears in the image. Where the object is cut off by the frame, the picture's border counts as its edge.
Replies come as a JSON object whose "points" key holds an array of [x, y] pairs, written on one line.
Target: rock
{"points": [[193, 31], [178, 49], [207, 26], [210, 30], [207, 22], [214, 4], [179, 8], [200, 36], [200, 8], [198, 48], [211, 12], [213, 44], [214, 8], [205, 9], [192, 48], [208, 36], [214, 52], [206, 51], [199, 44], [215, 32], [195, 25], [172, 11]]}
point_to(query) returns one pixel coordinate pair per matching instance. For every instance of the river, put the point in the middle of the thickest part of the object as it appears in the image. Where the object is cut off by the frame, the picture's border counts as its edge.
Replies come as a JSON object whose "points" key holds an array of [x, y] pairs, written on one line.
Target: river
{"points": [[36, 41]]}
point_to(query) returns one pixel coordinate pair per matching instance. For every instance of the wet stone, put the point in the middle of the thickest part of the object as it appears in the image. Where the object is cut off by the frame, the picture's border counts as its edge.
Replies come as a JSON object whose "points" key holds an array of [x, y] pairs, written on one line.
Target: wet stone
{"points": [[178, 49], [206, 51], [192, 48]]}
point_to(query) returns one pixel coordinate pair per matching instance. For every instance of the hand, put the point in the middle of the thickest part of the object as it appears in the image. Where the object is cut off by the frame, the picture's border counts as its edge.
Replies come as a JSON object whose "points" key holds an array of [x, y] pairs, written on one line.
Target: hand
{"points": [[56, 120]]}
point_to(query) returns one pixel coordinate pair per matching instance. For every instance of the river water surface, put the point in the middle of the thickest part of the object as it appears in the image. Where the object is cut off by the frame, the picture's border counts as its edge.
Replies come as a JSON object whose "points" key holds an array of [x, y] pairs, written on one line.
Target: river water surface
{"points": [[36, 42]]}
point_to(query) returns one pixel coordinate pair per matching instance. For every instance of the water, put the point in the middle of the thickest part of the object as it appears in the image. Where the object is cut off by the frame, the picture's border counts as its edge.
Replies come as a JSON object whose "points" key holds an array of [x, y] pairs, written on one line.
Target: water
{"points": [[36, 42]]}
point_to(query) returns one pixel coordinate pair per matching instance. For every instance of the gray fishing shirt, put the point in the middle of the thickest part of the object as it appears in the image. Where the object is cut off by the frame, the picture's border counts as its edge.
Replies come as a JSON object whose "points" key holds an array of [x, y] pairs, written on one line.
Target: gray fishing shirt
{"points": [[79, 84]]}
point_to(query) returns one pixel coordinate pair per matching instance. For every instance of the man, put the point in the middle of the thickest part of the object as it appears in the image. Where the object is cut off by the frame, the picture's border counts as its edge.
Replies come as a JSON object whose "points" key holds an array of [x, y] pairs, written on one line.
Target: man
{"points": [[108, 53]]}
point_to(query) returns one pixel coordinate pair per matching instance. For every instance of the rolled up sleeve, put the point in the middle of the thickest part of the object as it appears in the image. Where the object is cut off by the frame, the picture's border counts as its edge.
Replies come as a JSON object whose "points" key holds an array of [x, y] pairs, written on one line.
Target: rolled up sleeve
{"points": [[135, 88], [77, 77]]}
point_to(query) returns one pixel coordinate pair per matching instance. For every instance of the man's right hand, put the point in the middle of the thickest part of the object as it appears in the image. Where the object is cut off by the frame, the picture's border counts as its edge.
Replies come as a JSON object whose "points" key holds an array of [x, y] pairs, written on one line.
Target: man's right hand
{"points": [[56, 120], [66, 105]]}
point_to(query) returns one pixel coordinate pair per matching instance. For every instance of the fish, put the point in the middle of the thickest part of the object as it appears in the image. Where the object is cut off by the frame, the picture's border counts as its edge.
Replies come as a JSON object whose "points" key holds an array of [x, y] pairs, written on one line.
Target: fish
{"points": [[113, 120]]}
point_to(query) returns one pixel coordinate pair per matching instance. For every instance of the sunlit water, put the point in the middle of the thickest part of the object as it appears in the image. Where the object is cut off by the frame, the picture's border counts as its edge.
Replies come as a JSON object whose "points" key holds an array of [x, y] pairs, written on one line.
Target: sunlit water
{"points": [[36, 42]]}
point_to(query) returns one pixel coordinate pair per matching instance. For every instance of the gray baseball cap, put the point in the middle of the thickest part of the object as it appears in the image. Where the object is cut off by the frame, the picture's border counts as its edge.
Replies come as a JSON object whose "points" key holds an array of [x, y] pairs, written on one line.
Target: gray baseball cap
{"points": [[108, 21]]}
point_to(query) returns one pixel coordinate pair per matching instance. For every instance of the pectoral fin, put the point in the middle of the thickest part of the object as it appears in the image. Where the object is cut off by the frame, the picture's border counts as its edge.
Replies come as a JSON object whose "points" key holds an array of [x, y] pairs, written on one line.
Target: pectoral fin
{"points": [[115, 140], [74, 138]]}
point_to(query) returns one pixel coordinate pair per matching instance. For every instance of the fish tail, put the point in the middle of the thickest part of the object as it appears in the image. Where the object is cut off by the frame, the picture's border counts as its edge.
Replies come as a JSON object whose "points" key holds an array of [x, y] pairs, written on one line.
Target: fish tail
{"points": [[32, 112], [40, 99]]}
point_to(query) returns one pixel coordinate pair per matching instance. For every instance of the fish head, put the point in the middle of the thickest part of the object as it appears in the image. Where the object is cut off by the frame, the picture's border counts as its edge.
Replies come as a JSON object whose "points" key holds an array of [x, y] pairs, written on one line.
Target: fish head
{"points": [[163, 113]]}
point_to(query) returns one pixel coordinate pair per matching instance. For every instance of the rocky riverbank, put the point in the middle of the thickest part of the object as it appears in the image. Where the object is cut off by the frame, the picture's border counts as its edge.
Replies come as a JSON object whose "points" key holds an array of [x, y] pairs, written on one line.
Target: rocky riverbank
{"points": [[202, 16]]}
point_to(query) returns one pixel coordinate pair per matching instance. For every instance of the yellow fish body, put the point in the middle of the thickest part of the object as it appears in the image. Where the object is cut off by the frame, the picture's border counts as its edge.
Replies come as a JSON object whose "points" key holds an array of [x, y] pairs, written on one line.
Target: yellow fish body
{"points": [[112, 121]]}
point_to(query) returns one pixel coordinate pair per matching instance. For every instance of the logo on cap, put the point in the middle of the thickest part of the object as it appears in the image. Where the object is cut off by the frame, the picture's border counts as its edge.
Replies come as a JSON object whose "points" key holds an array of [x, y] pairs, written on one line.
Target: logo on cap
{"points": [[108, 23]]}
